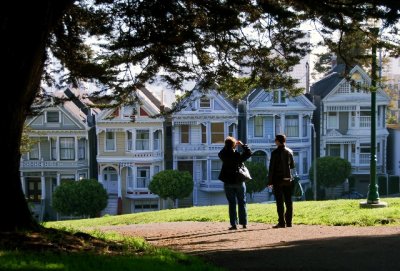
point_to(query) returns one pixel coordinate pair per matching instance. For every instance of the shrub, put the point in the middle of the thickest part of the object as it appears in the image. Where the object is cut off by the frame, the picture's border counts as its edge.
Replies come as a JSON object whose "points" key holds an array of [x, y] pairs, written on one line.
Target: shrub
{"points": [[259, 173], [331, 171], [80, 198], [172, 184]]}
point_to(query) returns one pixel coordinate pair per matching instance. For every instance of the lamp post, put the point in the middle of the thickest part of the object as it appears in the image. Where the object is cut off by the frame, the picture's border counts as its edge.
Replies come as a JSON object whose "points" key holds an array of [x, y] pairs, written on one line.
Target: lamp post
{"points": [[373, 194], [314, 161]]}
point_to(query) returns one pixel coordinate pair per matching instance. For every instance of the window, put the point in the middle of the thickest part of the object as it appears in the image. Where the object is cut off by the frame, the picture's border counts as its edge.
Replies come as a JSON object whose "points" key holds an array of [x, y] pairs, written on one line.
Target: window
{"points": [[156, 140], [278, 129], [142, 140], [53, 148], [333, 150], [184, 133], [67, 148], [231, 129], [34, 152], [204, 170], [305, 163], [292, 125], [258, 126], [145, 205], [205, 102], [34, 191], [143, 177], [110, 141], [81, 149], [52, 117], [217, 133], [365, 148], [129, 178], [279, 97], [203, 134], [305, 126], [129, 140], [215, 169], [333, 122]]}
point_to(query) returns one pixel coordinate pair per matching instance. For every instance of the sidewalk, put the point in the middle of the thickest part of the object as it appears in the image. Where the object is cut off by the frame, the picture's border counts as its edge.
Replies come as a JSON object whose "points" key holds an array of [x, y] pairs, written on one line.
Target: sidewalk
{"points": [[262, 248]]}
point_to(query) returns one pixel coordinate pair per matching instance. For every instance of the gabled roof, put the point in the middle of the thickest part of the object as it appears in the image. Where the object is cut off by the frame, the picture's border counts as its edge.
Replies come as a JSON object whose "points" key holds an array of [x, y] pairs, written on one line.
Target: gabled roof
{"points": [[324, 86], [198, 92], [149, 103], [73, 104], [259, 99]]}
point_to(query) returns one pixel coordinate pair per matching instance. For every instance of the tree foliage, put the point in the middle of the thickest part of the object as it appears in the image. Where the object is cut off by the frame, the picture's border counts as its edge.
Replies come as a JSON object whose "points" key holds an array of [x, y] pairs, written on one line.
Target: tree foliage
{"points": [[86, 197], [259, 173], [331, 171], [172, 184]]}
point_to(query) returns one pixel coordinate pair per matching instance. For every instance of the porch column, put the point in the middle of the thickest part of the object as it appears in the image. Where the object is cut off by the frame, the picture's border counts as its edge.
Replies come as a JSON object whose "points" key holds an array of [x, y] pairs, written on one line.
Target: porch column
{"points": [[76, 148], [57, 148], [43, 185], [119, 202]]}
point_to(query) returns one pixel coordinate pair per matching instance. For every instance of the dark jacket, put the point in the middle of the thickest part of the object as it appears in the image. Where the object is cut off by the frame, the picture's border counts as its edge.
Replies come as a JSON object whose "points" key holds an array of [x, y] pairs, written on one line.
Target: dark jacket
{"points": [[280, 165], [231, 159]]}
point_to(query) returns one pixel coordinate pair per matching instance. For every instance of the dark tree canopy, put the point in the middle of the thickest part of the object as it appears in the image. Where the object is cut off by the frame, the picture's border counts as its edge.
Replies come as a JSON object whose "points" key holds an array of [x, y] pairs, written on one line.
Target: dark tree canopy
{"points": [[133, 41]]}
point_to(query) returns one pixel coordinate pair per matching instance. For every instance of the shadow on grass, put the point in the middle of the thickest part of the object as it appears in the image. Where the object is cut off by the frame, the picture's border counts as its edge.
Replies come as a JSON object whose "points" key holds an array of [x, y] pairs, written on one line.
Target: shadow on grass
{"points": [[91, 262], [344, 253]]}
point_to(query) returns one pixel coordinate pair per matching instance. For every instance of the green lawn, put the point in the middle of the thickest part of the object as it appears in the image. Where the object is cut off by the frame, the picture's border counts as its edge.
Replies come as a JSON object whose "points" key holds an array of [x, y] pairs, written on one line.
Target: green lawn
{"points": [[333, 212], [65, 246]]}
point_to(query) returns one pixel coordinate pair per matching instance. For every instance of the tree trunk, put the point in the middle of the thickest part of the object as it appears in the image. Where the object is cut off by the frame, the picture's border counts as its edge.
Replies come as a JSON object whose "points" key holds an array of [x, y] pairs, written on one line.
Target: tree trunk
{"points": [[24, 29]]}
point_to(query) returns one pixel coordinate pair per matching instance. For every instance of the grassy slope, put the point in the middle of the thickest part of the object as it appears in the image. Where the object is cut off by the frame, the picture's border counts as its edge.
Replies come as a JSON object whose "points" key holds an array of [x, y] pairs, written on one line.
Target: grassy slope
{"points": [[337, 212]]}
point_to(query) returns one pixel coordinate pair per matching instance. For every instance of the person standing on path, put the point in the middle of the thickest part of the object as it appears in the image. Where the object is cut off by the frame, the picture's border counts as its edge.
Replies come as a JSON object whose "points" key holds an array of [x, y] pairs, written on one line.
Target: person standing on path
{"points": [[235, 190], [280, 179]]}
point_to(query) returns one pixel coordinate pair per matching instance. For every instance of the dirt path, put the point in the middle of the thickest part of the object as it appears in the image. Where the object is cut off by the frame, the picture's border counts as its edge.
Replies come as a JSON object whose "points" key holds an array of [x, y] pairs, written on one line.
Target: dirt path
{"points": [[260, 247]]}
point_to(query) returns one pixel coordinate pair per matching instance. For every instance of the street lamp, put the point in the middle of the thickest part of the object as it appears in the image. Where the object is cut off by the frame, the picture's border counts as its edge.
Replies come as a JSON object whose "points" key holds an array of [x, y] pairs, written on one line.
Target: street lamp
{"points": [[314, 161], [373, 195]]}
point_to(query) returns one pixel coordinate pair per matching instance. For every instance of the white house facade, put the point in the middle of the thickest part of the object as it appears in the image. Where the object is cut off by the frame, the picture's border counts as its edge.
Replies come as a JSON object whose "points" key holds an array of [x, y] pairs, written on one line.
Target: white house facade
{"points": [[198, 134], [269, 113], [61, 136], [130, 151], [344, 122]]}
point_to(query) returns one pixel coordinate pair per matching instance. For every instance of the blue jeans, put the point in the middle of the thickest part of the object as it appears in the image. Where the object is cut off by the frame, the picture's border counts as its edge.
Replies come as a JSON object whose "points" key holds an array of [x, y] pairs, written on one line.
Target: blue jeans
{"points": [[236, 193]]}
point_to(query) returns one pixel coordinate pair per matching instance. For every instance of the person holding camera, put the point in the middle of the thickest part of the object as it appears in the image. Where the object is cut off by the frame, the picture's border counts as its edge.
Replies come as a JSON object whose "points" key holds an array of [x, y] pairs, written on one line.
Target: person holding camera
{"points": [[235, 189]]}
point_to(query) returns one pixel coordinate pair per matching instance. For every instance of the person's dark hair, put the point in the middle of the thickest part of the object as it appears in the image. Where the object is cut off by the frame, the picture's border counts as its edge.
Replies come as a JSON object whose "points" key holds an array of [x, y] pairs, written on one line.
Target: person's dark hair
{"points": [[230, 142], [281, 138]]}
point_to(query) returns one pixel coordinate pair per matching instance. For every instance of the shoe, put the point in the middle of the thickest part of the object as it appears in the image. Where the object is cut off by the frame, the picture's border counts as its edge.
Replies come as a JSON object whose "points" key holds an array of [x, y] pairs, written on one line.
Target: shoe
{"points": [[289, 225], [244, 227], [233, 228], [277, 226]]}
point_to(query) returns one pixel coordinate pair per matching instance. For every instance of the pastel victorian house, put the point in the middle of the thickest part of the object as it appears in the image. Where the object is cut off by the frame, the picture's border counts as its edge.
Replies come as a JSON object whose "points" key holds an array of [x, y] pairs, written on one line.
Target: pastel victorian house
{"points": [[130, 151], [199, 132], [63, 149], [343, 121], [269, 113]]}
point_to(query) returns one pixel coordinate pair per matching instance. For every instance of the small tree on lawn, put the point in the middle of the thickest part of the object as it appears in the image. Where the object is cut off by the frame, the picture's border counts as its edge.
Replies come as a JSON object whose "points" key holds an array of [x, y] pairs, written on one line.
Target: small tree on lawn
{"points": [[331, 171], [172, 184], [80, 198], [259, 173]]}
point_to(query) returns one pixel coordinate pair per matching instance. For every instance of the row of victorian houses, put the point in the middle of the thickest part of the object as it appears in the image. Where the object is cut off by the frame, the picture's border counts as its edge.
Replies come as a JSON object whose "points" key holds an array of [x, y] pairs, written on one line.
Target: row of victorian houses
{"points": [[74, 142]]}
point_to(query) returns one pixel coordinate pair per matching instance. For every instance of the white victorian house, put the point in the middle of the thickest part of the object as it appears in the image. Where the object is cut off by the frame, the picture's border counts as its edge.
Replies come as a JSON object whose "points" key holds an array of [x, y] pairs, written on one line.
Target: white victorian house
{"points": [[269, 113], [61, 135], [199, 132], [343, 121], [130, 151]]}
